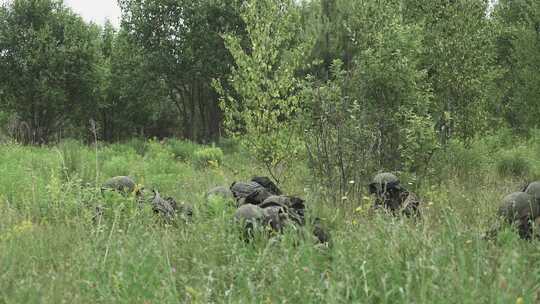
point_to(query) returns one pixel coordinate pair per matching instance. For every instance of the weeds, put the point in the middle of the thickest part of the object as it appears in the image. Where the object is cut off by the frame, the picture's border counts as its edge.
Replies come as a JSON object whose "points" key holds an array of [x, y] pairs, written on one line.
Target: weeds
{"points": [[52, 251]]}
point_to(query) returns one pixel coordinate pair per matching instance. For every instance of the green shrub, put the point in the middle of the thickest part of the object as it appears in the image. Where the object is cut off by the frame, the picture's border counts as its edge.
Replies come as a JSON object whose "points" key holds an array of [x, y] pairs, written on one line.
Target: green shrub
{"points": [[139, 145], [70, 151], [503, 138], [127, 165], [229, 145], [208, 157], [182, 149], [159, 159], [513, 163], [456, 159]]}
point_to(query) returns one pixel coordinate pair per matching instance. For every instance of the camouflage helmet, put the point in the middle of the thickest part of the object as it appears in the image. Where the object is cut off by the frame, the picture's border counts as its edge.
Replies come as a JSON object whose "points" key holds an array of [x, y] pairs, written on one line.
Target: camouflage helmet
{"points": [[221, 192], [122, 184], [242, 190], [249, 213], [163, 206], [257, 197], [533, 189], [293, 206], [250, 217], [519, 207], [268, 184], [382, 182], [183, 209], [275, 217]]}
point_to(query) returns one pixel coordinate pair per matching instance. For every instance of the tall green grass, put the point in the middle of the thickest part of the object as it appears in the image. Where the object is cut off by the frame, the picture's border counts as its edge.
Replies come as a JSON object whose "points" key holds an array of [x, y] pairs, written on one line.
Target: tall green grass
{"points": [[51, 251]]}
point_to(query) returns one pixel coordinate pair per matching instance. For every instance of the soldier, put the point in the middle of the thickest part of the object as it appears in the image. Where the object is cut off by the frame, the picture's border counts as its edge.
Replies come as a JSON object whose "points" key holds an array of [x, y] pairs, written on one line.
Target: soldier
{"points": [[293, 206], [122, 184], [290, 210], [520, 210], [254, 191], [533, 189], [267, 183], [249, 193], [168, 208], [392, 197], [221, 192], [250, 217], [320, 232]]}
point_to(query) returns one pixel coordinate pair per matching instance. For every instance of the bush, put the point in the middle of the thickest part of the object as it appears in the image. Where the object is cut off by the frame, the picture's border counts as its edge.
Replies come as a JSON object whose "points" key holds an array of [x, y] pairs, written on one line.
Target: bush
{"points": [[70, 150], [182, 149], [229, 145], [139, 145], [159, 159], [127, 165], [513, 163], [208, 157], [456, 159]]}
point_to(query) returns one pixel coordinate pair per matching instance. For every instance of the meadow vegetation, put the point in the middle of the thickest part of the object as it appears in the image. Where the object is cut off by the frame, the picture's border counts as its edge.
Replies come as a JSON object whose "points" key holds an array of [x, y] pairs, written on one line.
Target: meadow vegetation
{"points": [[52, 252], [319, 95]]}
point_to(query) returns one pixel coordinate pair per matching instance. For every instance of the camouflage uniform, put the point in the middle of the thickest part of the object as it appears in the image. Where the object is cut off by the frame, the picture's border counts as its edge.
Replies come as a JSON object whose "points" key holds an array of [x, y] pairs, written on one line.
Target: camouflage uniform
{"points": [[255, 191], [168, 208], [121, 184], [248, 193], [279, 211], [251, 217], [520, 210], [268, 184], [392, 197], [533, 189]]}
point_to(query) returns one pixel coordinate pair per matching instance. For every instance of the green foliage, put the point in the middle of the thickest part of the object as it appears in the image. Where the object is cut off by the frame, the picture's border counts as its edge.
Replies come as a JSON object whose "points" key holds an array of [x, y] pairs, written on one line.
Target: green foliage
{"points": [[229, 145], [47, 56], [181, 47], [159, 158], [71, 158], [374, 112], [513, 163], [183, 150], [263, 104], [518, 50], [338, 140], [50, 242], [458, 159], [458, 55], [419, 143], [208, 157], [138, 144]]}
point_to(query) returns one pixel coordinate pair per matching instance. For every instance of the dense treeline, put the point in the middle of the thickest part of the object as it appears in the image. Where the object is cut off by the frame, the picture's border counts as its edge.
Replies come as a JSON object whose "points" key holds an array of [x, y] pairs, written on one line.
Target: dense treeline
{"points": [[381, 84]]}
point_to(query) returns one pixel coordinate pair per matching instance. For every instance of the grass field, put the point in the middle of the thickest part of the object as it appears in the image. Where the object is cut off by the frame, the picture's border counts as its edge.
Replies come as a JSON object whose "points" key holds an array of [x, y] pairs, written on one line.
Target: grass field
{"points": [[52, 252]]}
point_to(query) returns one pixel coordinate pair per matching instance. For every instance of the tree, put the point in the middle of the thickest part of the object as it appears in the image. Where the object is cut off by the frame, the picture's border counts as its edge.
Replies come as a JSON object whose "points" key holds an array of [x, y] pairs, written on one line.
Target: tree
{"points": [[518, 47], [47, 57], [264, 102], [183, 40], [459, 57], [135, 100]]}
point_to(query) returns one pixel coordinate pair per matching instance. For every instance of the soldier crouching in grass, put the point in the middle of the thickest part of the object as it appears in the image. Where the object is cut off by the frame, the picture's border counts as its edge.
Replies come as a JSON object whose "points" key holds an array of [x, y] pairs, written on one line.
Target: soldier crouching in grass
{"points": [[167, 207], [521, 211], [392, 197]]}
